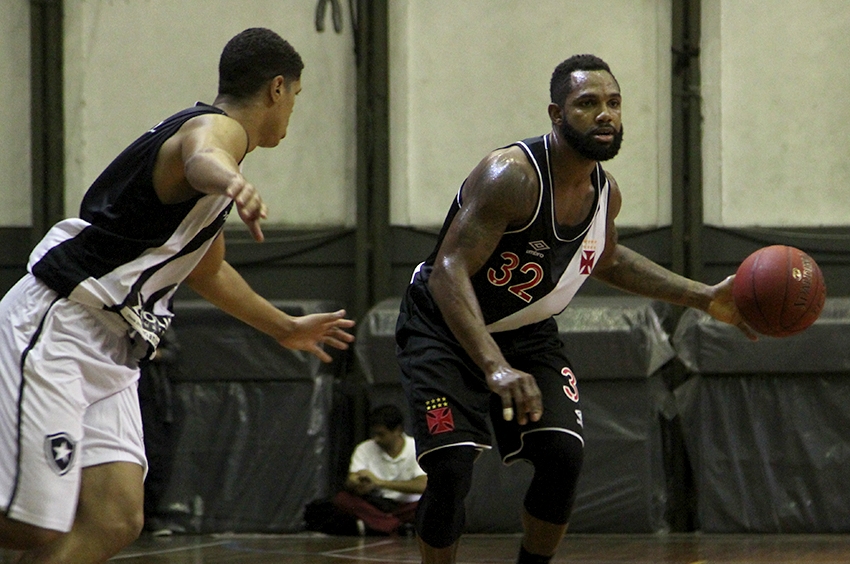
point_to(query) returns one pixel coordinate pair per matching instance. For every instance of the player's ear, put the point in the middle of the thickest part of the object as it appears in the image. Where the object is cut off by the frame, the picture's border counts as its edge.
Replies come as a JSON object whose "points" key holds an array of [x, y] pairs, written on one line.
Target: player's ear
{"points": [[556, 114], [277, 87]]}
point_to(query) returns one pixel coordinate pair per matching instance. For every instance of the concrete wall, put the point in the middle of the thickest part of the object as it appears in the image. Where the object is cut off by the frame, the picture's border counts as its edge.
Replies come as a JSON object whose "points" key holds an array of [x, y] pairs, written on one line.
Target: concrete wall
{"points": [[465, 77], [468, 77], [15, 137], [774, 77], [131, 63]]}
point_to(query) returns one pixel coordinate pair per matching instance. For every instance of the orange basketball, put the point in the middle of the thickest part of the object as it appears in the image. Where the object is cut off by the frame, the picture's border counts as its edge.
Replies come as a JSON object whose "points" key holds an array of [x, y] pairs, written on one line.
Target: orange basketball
{"points": [[779, 290]]}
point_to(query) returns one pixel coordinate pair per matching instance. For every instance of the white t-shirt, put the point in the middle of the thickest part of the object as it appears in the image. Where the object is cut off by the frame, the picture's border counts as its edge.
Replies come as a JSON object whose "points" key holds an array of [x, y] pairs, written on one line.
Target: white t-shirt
{"points": [[369, 456]]}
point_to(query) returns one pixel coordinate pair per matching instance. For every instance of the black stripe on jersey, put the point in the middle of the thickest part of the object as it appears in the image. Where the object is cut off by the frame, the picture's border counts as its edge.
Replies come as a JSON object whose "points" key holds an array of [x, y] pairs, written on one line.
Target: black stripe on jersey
{"points": [[207, 233], [75, 260]]}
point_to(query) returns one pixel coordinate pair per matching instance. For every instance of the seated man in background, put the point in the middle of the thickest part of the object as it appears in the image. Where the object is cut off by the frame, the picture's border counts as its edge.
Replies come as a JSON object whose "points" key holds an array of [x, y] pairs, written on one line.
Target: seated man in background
{"points": [[384, 482]]}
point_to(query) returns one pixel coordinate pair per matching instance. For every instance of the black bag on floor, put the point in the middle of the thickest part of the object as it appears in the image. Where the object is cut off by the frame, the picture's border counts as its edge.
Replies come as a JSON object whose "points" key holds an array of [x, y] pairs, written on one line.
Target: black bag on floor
{"points": [[324, 517]]}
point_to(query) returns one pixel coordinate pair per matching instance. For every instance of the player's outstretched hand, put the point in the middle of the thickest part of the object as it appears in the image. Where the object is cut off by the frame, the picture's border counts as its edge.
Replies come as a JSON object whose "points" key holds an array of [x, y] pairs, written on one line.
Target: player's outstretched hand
{"points": [[317, 329], [723, 308], [517, 390], [250, 206]]}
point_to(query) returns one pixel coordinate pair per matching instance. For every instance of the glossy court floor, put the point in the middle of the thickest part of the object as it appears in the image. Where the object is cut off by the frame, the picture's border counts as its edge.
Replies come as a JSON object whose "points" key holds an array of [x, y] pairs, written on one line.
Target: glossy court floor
{"points": [[483, 549]]}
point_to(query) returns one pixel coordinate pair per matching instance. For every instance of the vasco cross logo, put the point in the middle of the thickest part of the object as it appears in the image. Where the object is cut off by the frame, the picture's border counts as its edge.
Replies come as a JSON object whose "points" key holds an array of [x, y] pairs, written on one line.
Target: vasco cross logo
{"points": [[439, 416], [60, 452], [588, 257]]}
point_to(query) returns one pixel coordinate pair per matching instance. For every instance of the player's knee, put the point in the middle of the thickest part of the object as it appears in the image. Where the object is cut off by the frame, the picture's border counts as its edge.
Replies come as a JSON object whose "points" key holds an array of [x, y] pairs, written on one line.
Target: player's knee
{"points": [[118, 525], [133, 526], [111, 504], [557, 459], [450, 470], [554, 452], [126, 528], [441, 514], [16, 535]]}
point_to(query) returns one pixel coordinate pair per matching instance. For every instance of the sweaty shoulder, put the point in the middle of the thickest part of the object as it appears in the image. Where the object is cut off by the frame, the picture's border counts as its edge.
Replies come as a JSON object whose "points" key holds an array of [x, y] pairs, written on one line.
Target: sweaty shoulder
{"points": [[504, 181], [214, 131]]}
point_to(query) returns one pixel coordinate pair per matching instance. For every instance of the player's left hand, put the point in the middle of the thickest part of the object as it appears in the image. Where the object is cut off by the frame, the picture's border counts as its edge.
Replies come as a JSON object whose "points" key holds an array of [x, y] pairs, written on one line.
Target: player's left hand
{"points": [[317, 329], [249, 205], [722, 307]]}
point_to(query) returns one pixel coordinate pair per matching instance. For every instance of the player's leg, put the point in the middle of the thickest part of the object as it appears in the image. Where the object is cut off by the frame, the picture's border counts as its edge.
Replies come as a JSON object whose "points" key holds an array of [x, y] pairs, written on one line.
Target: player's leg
{"points": [[41, 412], [16, 535], [449, 407], [109, 517], [541, 539], [441, 513], [557, 458], [110, 510], [449, 433], [554, 445], [431, 555], [37, 493], [68, 465]]}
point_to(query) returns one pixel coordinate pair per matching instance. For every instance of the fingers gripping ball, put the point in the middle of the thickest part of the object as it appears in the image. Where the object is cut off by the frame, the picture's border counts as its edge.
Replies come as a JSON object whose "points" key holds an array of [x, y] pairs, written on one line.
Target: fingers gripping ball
{"points": [[779, 290]]}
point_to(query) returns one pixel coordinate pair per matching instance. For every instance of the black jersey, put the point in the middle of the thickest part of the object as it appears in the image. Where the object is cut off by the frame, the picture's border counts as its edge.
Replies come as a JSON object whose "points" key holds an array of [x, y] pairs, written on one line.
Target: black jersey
{"points": [[127, 252], [536, 269]]}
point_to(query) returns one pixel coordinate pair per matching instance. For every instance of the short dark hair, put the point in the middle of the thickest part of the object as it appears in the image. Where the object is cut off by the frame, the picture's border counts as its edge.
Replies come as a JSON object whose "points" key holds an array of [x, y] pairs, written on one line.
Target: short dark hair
{"points": [[387, 415], [561, 84], [252, 58]]}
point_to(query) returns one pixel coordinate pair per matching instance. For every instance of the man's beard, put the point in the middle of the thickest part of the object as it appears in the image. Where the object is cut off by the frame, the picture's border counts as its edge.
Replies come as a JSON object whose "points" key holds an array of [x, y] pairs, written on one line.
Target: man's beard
{"points": [[585, 145]]}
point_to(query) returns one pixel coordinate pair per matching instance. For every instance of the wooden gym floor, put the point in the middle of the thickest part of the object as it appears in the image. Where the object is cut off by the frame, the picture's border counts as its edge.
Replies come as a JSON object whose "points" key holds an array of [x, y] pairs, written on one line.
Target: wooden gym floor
{"points": [[496, 549]]}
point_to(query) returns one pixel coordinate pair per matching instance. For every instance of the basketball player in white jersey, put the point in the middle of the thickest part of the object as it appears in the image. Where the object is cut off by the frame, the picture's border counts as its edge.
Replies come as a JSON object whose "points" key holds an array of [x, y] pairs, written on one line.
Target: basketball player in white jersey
{"points": [[97, 297], [476, 334]]}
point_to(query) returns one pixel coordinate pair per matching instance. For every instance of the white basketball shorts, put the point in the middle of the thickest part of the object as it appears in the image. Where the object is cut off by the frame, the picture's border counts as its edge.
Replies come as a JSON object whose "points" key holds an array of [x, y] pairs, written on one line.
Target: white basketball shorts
{"points": [[68, 400]]}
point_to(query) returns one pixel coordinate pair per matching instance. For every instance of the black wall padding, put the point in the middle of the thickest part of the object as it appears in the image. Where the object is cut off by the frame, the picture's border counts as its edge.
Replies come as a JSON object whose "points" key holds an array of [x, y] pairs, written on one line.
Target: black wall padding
{"points": [[767, 425], [255, 427], [375, 344], [211, 342], [615, 337], [706, 346], [249, 455], [616, 345]]}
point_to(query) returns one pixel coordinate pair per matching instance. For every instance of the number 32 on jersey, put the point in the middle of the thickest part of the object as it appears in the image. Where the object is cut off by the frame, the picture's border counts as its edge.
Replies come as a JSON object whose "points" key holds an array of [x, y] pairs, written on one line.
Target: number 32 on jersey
{"points": [[528, 276]]}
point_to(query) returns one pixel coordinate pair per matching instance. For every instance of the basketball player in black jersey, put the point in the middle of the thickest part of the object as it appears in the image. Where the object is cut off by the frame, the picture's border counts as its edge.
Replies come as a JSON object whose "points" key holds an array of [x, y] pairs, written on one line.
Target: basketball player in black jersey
{"points": [[97, 297], [476, 334]]}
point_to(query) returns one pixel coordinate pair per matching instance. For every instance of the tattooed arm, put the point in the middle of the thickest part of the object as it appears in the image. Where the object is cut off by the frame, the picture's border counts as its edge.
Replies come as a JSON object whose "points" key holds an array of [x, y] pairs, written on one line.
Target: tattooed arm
{"points": [[632, 272], [500, 192]]}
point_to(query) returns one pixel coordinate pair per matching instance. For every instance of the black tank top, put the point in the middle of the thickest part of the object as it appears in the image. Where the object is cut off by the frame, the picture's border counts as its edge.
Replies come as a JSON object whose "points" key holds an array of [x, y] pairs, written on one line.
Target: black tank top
{"points": [[128, 252], [536, 269]]}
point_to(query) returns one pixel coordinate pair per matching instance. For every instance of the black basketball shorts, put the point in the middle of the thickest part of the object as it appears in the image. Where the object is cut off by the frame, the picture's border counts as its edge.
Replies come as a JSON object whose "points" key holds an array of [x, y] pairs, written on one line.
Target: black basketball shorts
{"points": [[450, 403]]}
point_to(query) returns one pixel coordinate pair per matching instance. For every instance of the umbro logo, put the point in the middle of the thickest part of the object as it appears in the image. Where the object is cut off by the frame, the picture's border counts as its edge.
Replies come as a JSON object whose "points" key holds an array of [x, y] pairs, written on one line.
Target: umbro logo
{"points": [[537, 248]]}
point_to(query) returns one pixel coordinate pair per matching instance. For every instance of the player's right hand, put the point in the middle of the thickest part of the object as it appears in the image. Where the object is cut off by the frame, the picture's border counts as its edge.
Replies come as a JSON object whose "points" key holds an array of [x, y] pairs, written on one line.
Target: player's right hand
{"points": [[310, 332], [519, 392]]}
